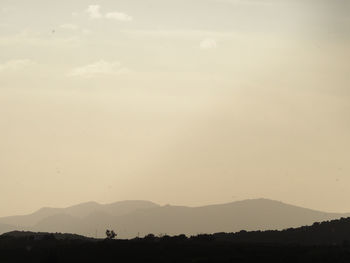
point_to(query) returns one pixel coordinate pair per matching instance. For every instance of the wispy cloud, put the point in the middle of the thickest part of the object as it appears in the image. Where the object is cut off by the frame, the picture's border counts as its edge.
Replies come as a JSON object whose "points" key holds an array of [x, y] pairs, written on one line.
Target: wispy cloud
{"points": [[118, 16], [15, 64], [98, 68], [186, 33], [208, 43], [30, 38], [95, 13]]}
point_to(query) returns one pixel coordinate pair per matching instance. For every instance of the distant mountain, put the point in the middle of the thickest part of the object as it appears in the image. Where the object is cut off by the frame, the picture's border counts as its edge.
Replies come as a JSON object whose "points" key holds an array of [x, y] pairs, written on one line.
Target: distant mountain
{"points": [[77, 211], [257, 214], [139, 218]]}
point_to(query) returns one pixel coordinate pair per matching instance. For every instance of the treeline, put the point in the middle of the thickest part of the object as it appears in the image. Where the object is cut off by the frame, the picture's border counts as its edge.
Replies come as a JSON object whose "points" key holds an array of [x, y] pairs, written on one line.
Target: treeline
{"points": [[335, 232]]}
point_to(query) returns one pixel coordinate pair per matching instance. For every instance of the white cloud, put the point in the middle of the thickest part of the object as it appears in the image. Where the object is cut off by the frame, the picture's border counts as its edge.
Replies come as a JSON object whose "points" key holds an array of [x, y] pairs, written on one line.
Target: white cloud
{"points": [[69, 26], [118, 16], [94, 11], [15, 64], [101, 67], [208, 43]]}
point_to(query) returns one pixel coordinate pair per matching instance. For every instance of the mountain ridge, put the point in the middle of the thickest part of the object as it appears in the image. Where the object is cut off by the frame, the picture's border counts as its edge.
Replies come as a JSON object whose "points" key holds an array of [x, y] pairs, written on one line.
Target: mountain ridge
{"points": [[132, 218]]}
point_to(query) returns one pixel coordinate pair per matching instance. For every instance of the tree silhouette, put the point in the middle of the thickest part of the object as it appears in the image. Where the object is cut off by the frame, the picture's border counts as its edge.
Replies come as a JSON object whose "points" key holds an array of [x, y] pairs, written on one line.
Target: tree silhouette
{"points": [[110, 234]]}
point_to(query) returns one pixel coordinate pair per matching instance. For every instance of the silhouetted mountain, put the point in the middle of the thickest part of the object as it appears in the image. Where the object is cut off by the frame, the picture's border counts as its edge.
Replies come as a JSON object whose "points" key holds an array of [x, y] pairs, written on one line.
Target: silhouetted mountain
{"points": [[139, 218]]}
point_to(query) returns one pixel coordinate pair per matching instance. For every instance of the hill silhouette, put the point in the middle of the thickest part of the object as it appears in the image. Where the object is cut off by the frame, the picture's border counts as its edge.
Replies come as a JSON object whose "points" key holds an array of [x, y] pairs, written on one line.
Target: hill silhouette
{"points": [[334, 232], [42, 236], [321, 242], [139, 218]]}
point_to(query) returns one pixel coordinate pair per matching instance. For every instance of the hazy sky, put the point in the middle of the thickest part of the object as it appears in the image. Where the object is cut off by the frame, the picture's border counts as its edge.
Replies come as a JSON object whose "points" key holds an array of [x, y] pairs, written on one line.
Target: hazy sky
{"points": [[187, 102]]}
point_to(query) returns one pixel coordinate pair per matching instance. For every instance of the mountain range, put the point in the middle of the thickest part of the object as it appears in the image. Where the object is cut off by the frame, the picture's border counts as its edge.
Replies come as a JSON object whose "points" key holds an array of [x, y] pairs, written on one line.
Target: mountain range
{"points": [[139, 218]]}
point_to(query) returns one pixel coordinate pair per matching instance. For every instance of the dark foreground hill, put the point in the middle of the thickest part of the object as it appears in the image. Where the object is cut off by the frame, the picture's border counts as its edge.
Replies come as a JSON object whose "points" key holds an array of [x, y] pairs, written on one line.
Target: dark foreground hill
{"points": [[27, 235], [139, 218], [322, 242]]}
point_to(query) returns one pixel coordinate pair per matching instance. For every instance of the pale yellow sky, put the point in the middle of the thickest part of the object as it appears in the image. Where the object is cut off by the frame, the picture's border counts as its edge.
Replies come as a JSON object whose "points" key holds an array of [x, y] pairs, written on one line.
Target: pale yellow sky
{"points": [[184, 102]]}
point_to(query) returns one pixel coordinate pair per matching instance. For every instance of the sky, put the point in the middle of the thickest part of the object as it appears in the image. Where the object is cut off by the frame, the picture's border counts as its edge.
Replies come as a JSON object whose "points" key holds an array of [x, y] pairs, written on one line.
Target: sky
{"points": [[186, 102]]}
